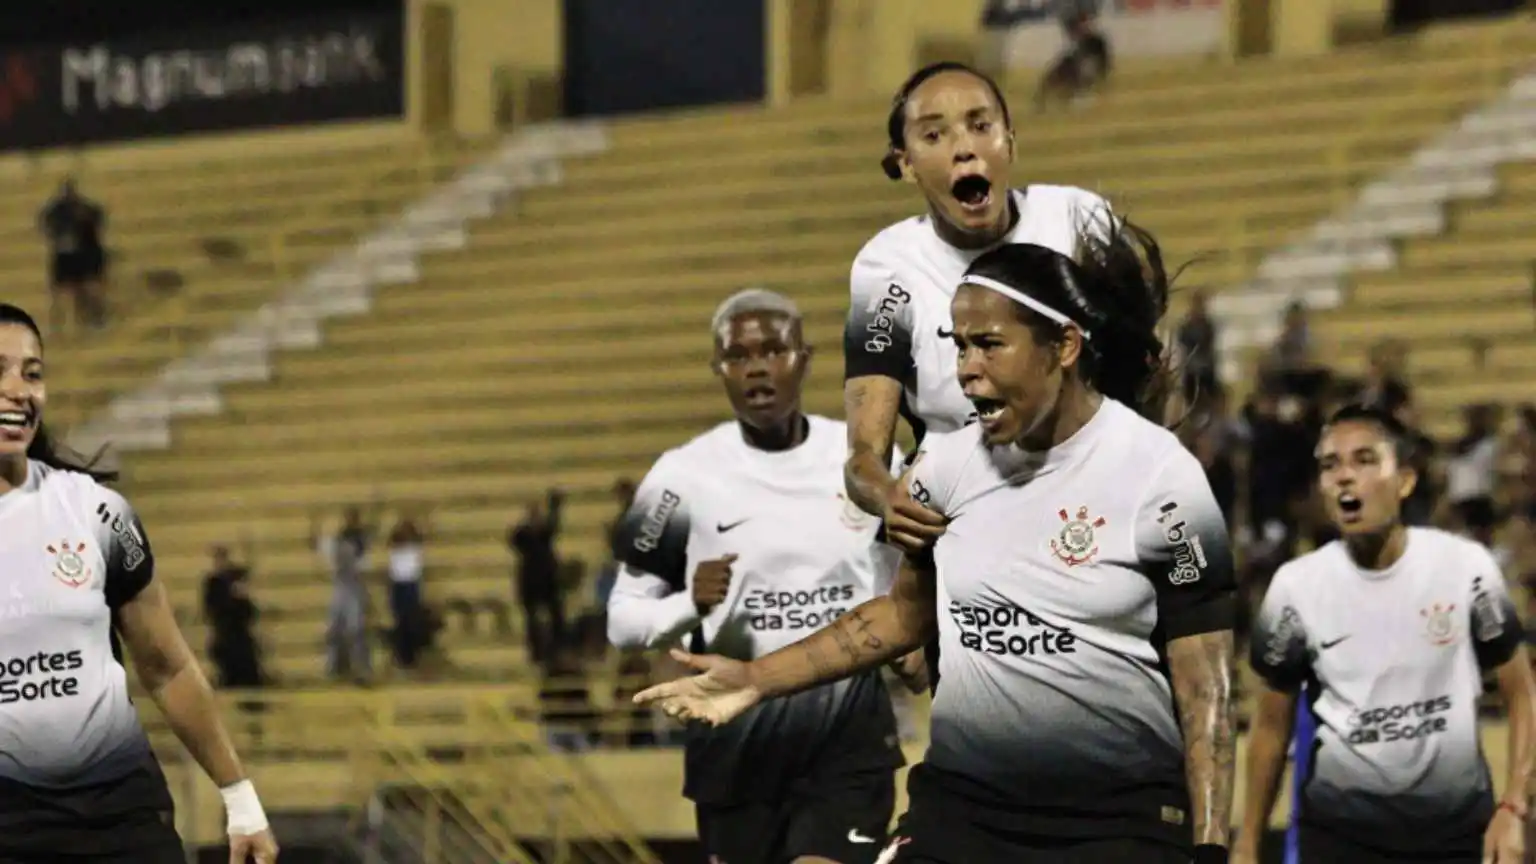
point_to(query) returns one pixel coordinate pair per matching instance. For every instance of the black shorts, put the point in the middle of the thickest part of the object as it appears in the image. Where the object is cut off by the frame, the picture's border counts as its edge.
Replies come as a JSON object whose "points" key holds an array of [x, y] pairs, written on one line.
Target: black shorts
{"points": [[152, 846], [938, 828], [1320, 846], [845, 822], [128, 819]]}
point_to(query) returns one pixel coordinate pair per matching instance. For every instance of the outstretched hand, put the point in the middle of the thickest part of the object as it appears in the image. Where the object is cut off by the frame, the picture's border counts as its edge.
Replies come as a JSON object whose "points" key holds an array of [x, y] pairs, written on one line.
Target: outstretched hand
{"points": [[719, 695]]}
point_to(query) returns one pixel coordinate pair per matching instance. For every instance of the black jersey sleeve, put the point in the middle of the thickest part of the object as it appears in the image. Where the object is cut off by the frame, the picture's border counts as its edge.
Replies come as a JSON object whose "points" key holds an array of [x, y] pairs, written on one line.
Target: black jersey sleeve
{"points": [[1496, 628], [130, 561], [877, 338], [1182, 544], [652, 535], [651, 603], [1277, 648]]}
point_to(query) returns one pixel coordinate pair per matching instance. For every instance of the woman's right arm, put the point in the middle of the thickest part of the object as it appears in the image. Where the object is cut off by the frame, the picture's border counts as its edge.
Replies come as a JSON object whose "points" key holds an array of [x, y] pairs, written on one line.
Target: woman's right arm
{"points": [[871, 404], [876, 632], [1279, 657], [1269, 735], [877, 360]]}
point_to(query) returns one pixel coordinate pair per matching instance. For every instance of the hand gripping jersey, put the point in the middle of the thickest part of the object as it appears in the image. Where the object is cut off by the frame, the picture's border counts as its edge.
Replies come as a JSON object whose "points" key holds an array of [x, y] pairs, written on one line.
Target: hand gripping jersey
{"points": [[1060, 580], [902, 282], [72, 752], [806, 556], [1393, 661]]}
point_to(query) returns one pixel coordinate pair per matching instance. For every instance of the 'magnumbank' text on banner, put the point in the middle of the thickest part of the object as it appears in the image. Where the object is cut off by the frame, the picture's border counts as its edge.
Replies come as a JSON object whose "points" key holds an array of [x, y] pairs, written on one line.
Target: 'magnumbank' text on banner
{"points": [[315, 69]]}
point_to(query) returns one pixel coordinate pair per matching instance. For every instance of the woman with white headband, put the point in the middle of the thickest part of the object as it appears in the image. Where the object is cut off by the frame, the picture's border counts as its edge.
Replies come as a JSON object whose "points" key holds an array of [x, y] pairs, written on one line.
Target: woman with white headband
{"points": [[1082, 594]]}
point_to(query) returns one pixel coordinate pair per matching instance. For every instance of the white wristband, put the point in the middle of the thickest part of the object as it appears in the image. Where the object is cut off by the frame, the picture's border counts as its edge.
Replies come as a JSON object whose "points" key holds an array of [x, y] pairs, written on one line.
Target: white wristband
{"points": [[242, 810]]}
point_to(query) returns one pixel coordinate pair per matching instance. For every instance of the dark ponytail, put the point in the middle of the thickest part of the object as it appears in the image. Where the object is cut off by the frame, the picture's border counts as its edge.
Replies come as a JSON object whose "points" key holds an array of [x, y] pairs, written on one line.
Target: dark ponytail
{"points": [[1116, 291], [1124, 278], [44, 447], [896, 120]]}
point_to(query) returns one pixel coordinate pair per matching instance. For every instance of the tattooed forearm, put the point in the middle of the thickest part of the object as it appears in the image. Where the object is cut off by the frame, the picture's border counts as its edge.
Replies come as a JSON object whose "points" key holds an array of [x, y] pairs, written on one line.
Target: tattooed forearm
{"points": [[871, 403], [1201, 668], [871, 635], [853, 640], [855, 636]]}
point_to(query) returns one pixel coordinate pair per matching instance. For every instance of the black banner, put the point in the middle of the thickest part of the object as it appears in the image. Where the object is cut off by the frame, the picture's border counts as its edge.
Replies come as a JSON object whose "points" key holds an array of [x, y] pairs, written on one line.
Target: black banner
{"points": [[313, 69]]}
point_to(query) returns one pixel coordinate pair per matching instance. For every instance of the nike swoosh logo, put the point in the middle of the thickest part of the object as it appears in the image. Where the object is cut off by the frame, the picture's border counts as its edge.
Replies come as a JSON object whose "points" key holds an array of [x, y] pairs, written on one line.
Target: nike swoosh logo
{"points": [[723, 527], [855, 837], [1329, 644]]}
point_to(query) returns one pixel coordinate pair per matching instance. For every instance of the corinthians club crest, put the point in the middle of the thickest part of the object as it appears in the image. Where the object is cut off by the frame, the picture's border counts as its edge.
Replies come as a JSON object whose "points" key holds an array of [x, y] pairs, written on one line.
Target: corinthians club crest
{"points": [[1439, 625], [1076, 543], [69, 564]]}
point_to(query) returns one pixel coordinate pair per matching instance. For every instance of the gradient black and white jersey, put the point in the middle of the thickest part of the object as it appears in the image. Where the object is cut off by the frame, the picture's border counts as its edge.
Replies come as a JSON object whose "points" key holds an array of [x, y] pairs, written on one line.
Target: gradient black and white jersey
{"points": [[1392, 661], [902, 282], [1061, 578], [806, 557], [72, 752]]}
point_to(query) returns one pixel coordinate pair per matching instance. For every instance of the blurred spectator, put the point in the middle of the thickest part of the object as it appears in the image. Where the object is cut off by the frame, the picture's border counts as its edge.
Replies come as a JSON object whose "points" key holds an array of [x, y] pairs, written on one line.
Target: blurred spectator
{"points": [[532, 542], [231, 617], [1197, 348], [72, 226], [1280, 433], [407, 562], [624, 497], [348, 653], [1385, 384], [1292, 350], [1084, 62], [1471, 473]]}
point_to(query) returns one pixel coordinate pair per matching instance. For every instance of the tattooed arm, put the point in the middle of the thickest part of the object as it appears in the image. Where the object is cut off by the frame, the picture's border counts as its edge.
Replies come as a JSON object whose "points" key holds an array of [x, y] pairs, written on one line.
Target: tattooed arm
{"points": [[876, 632], [1201, 669], [1182, 542], [871, 403]]}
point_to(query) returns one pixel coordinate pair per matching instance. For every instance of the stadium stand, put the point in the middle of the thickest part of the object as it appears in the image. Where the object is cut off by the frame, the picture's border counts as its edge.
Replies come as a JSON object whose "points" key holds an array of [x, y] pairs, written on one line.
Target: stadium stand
{"points": [[566, 346], [197, 242]]}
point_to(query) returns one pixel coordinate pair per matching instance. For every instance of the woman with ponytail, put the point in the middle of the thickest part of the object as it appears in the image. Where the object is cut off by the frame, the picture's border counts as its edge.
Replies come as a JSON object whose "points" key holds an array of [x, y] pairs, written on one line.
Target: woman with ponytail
{"points": [[81, 783], [1082, 594]]}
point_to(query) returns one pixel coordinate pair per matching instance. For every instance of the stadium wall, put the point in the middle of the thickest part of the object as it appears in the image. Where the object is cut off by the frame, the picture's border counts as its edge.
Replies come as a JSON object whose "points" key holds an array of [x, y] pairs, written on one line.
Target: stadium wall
{"points": [[474, 67], [173, 81]]}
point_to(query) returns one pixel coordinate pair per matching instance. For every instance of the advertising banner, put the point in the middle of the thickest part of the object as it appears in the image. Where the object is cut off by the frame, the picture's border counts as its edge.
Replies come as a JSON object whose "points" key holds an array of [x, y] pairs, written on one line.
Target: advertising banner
{"points": [[312, 69], [1029, 33]]}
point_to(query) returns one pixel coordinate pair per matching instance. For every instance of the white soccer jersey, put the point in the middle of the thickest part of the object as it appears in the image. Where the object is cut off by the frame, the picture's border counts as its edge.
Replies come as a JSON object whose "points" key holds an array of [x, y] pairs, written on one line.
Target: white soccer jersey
{"points": [[1392, 663], [70, 740], [805, 557], [902, 283], [1060, 579]]}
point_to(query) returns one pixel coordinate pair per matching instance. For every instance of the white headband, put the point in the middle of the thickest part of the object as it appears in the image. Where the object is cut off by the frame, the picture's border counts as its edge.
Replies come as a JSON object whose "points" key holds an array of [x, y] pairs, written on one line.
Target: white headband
{"points": [[1018, 296]]}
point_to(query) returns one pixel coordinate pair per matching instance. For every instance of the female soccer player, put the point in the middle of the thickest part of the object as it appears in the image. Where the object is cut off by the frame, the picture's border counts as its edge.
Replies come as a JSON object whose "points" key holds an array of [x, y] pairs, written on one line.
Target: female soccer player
{"points": [[1082, 593], [1392, 628], [742, 538], [949, 134], [78, 781]]}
